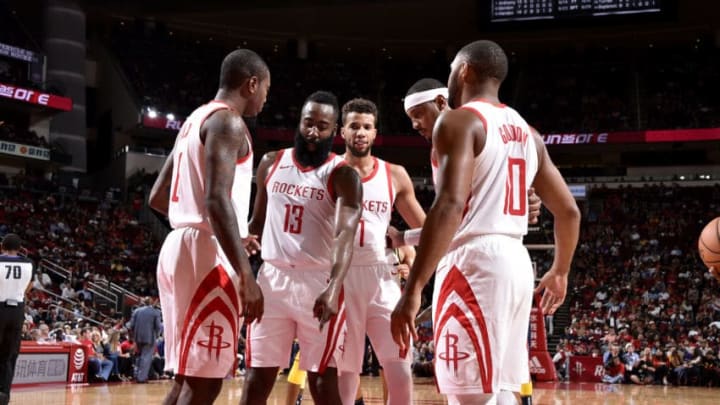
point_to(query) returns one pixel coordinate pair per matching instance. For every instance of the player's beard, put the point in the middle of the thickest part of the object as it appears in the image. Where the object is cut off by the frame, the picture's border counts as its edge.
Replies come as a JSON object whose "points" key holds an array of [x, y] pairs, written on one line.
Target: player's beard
{"points": [[310, 158]]}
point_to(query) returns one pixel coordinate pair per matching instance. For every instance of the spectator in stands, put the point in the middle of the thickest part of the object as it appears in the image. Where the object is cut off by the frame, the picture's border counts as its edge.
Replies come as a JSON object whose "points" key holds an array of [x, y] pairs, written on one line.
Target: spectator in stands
{"points": [[44, 334], [614, 367], [99, 367]]}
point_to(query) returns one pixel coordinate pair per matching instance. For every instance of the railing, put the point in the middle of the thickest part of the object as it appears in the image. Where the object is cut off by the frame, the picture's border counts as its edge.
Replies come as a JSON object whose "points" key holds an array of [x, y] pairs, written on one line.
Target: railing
{"points": [[75, 316], [57, 297], [104, 293], [56, 269], [123, 292]]}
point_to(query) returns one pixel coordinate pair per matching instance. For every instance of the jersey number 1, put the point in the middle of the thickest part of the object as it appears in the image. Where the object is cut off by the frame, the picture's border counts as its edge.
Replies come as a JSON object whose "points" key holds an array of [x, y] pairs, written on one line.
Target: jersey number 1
{"points": [[515, 188]]}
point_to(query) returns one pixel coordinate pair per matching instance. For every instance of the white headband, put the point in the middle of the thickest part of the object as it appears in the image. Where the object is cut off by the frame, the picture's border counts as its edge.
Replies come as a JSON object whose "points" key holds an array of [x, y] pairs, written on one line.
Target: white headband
{"points": [[424, 96]]}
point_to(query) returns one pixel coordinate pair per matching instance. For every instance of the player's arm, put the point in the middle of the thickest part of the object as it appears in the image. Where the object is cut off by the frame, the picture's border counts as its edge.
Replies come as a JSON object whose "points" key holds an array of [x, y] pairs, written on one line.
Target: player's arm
{"points": [[224, 140], [159, 198], [257, 221], [405, 201], [348, 210], [407, 258], [555, 194], [454, 140]]}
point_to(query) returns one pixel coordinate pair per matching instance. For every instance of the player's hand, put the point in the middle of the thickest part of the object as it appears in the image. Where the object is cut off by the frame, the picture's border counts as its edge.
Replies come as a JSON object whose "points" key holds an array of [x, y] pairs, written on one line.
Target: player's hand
{"points": [[326, 304], [251, 244], [555, 285], [402, 321], [534, 204], [253, 303], [394, 237], [403, 270], [715, 272]]}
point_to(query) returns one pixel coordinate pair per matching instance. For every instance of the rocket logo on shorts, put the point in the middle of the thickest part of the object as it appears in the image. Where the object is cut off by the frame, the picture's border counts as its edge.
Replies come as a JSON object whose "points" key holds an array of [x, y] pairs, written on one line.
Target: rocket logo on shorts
{"points": [[451, 355], [460, 324], [214, 341], [213, 310]]}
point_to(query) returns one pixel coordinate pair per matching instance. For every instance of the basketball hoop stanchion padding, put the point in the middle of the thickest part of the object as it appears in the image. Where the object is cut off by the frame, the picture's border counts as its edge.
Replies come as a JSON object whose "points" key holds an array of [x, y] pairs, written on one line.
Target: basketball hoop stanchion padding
{"points": [[541, 365], [540, 361]]}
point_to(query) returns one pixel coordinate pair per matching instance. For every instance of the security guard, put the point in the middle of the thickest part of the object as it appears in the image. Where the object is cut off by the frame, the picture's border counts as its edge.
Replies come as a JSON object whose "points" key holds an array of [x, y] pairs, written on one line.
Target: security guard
{"points": [[16, 272]]}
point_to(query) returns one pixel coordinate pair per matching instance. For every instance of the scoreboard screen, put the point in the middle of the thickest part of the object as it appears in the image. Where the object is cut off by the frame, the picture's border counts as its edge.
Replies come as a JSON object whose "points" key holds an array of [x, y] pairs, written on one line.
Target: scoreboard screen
{"points": [[530, 10]]}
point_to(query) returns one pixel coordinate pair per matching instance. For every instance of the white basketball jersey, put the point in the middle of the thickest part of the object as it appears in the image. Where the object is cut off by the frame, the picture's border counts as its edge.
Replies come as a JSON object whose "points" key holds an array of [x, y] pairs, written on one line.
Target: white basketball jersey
{"points": [[241, 190], [378, 200], [187, 191], [502, 174], [299, 220], [16, 273]]}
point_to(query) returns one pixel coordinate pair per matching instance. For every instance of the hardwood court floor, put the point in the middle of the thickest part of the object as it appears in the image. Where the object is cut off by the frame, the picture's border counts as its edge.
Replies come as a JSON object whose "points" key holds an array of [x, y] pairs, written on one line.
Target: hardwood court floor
{"points": [[425, 394]]}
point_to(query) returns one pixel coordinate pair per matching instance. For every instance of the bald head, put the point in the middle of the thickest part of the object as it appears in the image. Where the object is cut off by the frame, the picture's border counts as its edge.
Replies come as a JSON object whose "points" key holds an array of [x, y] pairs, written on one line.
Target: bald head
{"points": [[240, 65], [486, 58]]}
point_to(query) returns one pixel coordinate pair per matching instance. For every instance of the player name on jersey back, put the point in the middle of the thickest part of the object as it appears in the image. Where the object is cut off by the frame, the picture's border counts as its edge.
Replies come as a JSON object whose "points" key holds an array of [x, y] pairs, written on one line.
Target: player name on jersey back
{"points": [[502, 174]]}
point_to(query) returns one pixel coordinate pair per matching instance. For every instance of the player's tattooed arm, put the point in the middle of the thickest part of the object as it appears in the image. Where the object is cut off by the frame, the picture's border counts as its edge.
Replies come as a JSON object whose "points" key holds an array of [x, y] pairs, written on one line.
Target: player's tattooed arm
{"points": [[224, 135]]}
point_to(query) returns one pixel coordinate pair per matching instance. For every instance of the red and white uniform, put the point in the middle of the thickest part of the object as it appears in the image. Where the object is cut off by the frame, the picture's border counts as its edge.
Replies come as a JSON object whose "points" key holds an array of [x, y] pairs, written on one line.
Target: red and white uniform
{"points": [[484, 284], [241, 190], [372, 287], [198, 287], [297, 241]]}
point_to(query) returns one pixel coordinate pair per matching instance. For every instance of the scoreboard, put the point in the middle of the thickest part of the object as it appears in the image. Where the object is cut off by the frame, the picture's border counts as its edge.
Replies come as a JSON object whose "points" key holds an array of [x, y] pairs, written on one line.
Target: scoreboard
{"points": [[529, 10]]}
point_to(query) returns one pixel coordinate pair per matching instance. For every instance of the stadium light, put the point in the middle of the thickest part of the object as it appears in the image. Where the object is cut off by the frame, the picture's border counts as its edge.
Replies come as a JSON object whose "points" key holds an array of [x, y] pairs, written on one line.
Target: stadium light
{"points": [[170, 117], [152, 113]]}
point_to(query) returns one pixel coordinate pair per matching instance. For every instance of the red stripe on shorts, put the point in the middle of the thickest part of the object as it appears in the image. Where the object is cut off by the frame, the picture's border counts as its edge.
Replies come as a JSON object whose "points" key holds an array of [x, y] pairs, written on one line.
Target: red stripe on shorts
{"points": [[217, 278], [336, 323], [456, 282]]}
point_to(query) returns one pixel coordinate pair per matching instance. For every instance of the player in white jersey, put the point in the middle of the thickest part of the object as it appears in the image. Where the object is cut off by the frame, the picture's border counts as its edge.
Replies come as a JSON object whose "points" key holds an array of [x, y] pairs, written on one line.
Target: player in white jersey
{"points": [[306, 212], [204, 276], [425, 100], [488, 158], [373, 288], [242, 188]]}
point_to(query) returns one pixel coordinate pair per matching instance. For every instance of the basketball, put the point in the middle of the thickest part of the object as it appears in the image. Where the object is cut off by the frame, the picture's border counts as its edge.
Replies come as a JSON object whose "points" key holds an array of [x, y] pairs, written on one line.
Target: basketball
{"points": [[709, 243]]}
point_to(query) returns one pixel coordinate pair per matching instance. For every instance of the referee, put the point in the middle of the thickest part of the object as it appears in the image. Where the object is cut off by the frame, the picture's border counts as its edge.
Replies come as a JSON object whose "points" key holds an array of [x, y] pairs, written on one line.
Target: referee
{"points": [[15, 275]]}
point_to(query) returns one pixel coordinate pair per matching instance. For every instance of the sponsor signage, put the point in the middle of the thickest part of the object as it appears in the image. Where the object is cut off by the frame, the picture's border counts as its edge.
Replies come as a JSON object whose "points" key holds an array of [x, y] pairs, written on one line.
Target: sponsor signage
{"points": [[586, 369], [653, 136], [19, 149], [540, 362], [36, 97], [63, 363], [38, 368], [18, 53], [161, 122]]}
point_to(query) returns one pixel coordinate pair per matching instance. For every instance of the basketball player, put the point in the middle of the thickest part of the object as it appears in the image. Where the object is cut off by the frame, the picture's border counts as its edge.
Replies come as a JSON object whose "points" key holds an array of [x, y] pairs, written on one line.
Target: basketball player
{"points": [[373, 288], [423, 103], [488, 156], [306, 212], [203, 267]]}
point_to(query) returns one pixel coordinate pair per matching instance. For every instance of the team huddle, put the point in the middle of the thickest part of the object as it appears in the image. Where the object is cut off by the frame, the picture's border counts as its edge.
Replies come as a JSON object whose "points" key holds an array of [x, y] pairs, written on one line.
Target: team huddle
{"points": [[321, 223]]}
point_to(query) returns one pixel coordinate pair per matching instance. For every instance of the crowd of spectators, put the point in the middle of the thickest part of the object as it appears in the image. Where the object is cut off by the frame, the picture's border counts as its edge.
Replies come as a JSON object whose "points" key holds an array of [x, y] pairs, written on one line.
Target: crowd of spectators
{"points": [[639, 296], [91, 234], [19, 133], [111, 350]]}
